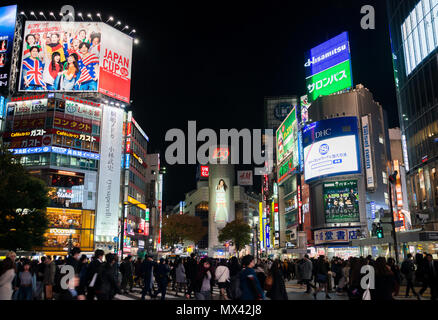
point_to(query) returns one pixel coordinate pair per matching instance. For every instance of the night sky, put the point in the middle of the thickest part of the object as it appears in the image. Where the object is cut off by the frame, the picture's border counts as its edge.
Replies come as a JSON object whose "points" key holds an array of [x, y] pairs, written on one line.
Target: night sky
{"points": [[214, 61]]}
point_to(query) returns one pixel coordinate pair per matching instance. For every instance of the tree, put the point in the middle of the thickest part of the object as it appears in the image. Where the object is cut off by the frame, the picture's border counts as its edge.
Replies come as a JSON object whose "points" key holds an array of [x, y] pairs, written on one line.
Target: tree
{"points": [[237, 231], [23, 202], [177, 228]]}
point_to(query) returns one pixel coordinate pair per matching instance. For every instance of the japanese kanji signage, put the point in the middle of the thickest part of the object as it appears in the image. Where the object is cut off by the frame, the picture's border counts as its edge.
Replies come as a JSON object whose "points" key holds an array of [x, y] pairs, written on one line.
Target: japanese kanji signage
{"points": [[367, 152], [82, 110], [244, 178], [109, 172], [287, 139], [28, 106], [329, 81], [335, 235], [328, 67]]}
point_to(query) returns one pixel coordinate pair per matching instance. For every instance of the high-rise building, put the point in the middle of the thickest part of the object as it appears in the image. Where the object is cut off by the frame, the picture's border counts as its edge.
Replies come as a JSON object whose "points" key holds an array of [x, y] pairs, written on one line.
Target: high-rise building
{"points": [[414, 42]]}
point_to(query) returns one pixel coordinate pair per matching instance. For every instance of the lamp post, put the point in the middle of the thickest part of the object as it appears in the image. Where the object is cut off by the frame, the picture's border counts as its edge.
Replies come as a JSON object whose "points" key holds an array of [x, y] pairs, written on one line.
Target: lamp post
{"points": [[392, 180]]}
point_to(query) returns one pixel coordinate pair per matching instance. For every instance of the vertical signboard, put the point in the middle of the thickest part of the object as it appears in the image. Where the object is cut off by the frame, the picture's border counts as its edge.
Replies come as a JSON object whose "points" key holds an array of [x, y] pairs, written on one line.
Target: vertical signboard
{"points": [[328, 67], [8, 17], [368, 157], [109, 172], [261, 224], [399, 198], [287, 139], [116, 62]]}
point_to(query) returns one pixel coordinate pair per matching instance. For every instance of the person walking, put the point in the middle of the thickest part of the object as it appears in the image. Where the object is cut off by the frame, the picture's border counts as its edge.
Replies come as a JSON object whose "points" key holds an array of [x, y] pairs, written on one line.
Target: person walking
{"points": [[163, 270], [106, 285], [321, 269], [408, 271], [127, 271], [147, 274], [137, 272], [385, 281], [49, 277], [180, 277], [92, 272], [202, 283], [24, 282], [191, 271], [249, 284], [223, 277], [7, 275], [430, 277], [306, 268], [397, 275], [278, 288]]}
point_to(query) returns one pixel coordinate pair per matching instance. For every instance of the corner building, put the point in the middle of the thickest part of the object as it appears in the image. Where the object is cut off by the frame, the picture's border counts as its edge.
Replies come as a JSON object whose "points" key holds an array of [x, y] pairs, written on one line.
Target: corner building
{"points": [[342, 227], [414, 42]]}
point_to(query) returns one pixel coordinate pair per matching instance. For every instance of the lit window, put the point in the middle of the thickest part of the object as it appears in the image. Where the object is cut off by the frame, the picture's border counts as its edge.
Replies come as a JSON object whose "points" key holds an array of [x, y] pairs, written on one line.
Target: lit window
{"points": [[381, 140], [386, 198], [385, 177]]}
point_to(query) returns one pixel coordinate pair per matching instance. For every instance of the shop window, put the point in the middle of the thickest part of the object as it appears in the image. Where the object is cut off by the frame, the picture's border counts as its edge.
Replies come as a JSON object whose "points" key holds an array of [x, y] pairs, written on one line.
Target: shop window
{"points": [[69, 141], [58, 140], [96, 129]]}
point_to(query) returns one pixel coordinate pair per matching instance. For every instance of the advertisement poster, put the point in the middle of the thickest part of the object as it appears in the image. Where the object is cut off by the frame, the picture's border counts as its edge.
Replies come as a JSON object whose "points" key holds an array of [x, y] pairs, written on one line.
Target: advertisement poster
{"points": [[109, 169], [328, 67], [76, 57], [368, 157], [222, 197], [8, 16], [244, 178], [341, 201], [331, 148], [287, 139]]}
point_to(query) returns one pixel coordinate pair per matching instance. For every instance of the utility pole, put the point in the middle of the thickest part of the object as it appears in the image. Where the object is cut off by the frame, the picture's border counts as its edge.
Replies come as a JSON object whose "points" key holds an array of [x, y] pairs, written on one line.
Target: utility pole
{"points": [[392, 179]]}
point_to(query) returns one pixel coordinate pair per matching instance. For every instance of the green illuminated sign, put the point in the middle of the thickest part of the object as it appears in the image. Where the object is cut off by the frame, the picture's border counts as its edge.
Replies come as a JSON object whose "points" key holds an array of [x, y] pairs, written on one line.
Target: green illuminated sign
{"points": [[147, 215], [287, 139], [334, 79]]}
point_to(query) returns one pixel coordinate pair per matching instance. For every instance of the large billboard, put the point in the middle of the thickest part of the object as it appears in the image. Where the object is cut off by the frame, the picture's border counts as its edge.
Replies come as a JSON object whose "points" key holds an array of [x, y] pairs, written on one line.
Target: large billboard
{"points": [[341, 201], [287, 139], [76, 57], [109, 168], [8, 17], [328, 67], [331, 148]]}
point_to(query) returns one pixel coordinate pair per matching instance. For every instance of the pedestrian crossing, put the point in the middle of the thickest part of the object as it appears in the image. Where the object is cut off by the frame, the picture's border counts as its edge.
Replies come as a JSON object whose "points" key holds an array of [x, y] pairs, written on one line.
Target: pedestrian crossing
{"points": [[170, 295]]}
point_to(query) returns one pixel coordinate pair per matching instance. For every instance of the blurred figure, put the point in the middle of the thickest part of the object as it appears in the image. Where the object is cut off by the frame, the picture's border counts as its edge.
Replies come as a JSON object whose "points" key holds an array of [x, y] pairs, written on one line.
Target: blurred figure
{"points": [[7, 275], [408, 271], [106, 286], [180, 277], [202, 284], [92, 272], [24, 283], [278, 289], [430, 276], [385, 281], [321, 270], [49, 277], [249, 284], [163, 270], [397, 275], [127, 270], [223, 277], [147, 273]]}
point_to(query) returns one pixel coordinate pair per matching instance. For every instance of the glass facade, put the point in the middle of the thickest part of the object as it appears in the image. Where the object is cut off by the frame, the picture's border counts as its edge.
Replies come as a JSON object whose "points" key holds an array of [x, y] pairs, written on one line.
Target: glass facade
{"points": [[414, 41]]}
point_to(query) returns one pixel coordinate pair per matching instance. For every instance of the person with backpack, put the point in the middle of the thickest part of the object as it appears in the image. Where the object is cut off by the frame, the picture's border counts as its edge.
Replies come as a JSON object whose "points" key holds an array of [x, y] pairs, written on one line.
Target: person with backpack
{"points": [[92, 272], [408, 271], [106, 285], [222, 276], [49, 277], [249, 284]]}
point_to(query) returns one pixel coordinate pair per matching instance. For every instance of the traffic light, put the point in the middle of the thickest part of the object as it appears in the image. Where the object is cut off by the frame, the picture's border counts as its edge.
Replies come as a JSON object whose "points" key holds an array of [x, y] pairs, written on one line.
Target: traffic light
{"points": [[379, 232], [393, 177]]}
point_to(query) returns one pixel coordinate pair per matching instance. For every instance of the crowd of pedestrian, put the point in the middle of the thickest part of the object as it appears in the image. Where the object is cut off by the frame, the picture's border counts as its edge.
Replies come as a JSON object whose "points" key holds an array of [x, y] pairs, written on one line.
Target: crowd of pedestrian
{"points": [[195, 277]]}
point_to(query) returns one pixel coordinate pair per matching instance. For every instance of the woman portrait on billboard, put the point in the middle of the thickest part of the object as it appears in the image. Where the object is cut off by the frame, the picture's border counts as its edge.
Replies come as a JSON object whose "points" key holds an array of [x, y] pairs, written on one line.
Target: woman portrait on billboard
{"points": [[53, 72], [221, 216], [70, 73]]}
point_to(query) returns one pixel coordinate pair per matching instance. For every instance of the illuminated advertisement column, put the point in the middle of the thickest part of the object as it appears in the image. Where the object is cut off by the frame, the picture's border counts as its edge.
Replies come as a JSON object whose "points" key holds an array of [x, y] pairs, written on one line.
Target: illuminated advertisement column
{"points": [[7, 29], [160, 204], [108, 197], [221, 201]]}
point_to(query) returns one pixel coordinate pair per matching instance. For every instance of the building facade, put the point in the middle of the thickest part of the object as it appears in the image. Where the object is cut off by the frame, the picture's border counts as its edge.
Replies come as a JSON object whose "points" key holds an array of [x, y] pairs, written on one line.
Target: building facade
{"points": [[414, 41]]}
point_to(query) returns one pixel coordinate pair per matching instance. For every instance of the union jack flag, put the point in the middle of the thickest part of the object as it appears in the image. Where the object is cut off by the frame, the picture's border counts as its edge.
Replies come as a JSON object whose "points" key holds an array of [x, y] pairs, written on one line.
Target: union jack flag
{"points": [[86, 65], [34, 72]]}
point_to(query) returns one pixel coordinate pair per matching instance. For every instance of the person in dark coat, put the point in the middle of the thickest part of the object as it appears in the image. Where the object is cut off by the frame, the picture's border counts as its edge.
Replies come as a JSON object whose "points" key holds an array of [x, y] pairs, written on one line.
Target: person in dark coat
{"points": [[162, 273], [278, 289], [92, 272], [127, 270], [137, 272], [408, 270], [191, 271], [385, 281], [147, 272], [106, 285], [397, 275], [430, 276], [322, 268]]}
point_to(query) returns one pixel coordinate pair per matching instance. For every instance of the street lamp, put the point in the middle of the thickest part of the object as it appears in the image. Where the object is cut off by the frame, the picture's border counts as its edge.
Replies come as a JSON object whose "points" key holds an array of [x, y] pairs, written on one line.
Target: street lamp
{"points": [[118, 22], [126, 27], [98, 14], [132, 31], [80, 15], [51, 14], [89, 16], [110, 19], [42, 14], [23, 13]]}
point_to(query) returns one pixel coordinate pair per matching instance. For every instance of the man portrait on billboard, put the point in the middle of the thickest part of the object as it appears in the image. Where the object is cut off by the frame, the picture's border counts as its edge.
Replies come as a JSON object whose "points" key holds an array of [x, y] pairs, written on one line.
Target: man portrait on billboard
{"points": [[33, 71], [31, 41], [89, 68], [221, 216], [352, 198]]}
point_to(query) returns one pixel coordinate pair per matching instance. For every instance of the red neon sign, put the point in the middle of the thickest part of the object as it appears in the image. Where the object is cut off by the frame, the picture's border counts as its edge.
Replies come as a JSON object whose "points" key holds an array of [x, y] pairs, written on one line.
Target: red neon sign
{"points": [[221, 153], [204, 171]]}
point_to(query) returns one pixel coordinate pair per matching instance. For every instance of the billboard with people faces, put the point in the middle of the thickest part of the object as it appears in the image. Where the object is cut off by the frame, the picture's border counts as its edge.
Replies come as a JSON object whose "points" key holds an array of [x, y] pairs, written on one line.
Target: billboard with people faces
{"points": [[76, 57]]}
